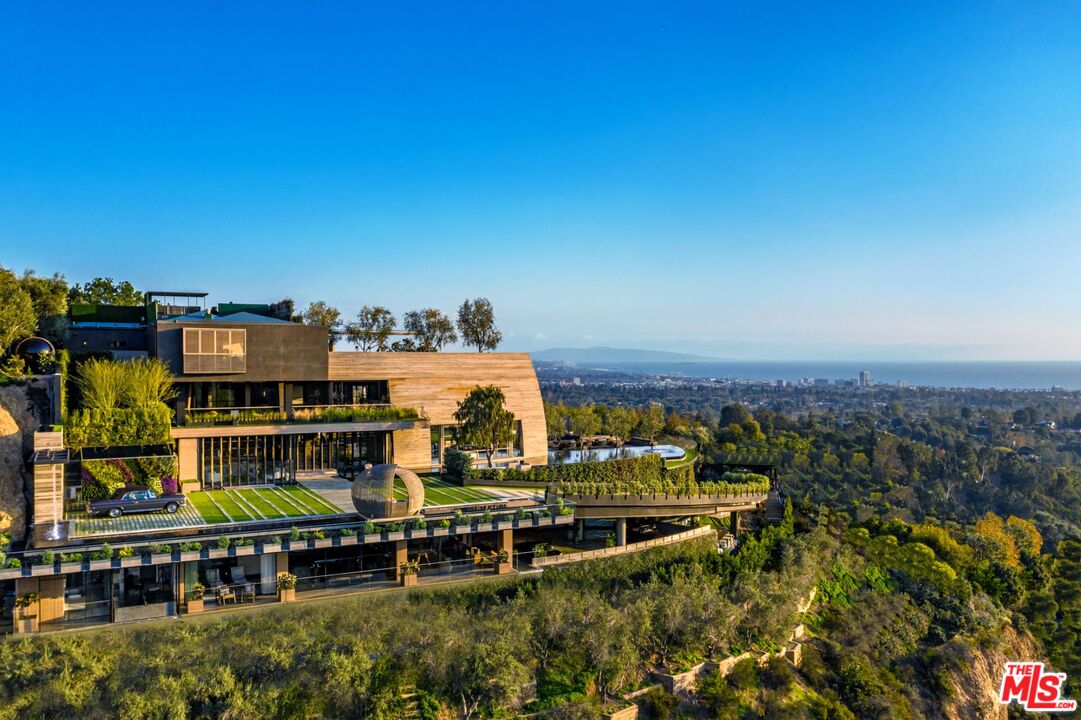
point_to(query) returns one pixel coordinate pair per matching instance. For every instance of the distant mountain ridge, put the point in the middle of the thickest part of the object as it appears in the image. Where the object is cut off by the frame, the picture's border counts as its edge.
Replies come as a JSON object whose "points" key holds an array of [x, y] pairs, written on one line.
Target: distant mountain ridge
{"points": [[616, 355]]}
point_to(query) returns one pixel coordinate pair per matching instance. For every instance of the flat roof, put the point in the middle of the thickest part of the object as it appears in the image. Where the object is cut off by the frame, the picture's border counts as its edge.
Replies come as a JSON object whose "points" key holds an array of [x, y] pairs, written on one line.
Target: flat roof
{"points": [[177, 293]]}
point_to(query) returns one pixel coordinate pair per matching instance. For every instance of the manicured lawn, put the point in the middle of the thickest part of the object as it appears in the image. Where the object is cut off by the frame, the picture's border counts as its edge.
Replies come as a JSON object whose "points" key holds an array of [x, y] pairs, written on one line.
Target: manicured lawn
{"points": [[691, 454], [206, 508], [230, 506], [440, 492], [311, 500]]}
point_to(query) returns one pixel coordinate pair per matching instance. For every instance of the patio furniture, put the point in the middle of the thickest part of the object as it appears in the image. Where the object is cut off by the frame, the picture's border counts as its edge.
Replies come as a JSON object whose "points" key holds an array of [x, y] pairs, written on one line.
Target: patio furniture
{"points": [[225, 594], [237, 574], [247, 593]]}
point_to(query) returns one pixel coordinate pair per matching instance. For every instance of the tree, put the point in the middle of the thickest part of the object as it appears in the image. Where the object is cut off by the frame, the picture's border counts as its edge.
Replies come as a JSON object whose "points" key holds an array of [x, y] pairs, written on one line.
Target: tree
{"points": [[584, 422], [555, 419], [372, 329], [619, 422], [486, 424], [651, 421], [17, 318], [431, 330], [324, 315], [49, 296], [476, 323], [106, 291]]}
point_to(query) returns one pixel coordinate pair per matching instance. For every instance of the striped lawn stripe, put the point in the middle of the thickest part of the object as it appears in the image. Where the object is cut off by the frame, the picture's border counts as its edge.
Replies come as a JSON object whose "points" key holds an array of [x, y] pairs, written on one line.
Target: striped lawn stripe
{"points": [[228, 505], [241, 499], [257, 498], [313, 502], [331, 508], [283, 497], [271, 498], [207, 507]]}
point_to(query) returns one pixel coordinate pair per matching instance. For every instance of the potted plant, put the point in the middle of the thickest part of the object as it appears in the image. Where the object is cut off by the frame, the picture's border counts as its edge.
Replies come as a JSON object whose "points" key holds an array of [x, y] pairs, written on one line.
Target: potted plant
{"points": [[26, 616], [127, 556], [195, 598], [244, 546], [408, 571], [287, 587], [46, 564], [394, 531], [371, 532], [71, 562], [190, 551], [502, 561], [347, 536]]}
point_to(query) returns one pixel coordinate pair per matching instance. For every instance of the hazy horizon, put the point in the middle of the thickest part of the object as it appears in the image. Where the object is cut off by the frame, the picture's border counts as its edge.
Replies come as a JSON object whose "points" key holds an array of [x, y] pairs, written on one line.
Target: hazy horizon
{"points": [[849, 182]]}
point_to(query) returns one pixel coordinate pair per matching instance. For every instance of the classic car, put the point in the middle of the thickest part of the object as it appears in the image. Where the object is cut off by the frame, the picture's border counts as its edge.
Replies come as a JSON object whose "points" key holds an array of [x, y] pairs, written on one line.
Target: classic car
{"points": [[136, 500]]}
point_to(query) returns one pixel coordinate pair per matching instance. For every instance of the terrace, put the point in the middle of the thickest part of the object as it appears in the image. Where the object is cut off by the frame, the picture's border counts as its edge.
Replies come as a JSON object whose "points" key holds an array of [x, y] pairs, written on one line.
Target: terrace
{"points": [[319, 496], [299, 414]]}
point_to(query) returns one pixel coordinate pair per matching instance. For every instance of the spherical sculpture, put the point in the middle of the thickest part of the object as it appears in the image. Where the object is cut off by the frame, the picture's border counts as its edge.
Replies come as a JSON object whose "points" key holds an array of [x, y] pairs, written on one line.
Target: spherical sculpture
{"points": [[373, 492], [33, 347]]}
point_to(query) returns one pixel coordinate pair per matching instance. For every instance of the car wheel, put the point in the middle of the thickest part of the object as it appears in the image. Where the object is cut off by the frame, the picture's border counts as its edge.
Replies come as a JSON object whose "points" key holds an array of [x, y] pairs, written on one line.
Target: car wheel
{"points": [[114, 513], [172, 507]]}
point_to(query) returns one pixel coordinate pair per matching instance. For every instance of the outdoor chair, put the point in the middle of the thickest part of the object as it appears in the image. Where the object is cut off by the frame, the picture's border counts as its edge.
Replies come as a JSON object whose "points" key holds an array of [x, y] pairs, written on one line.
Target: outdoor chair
{"points": [[237, 574], [225, 594]]}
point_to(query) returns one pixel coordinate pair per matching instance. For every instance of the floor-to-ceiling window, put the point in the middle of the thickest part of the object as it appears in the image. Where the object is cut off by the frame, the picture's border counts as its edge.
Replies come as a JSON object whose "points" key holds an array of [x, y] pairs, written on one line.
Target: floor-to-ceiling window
{"points": [[266, 459]]}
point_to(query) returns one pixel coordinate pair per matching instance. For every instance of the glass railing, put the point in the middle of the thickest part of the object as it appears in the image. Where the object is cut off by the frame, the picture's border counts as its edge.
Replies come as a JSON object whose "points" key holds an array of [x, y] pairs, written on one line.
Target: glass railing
{"points": [[271, 415]]}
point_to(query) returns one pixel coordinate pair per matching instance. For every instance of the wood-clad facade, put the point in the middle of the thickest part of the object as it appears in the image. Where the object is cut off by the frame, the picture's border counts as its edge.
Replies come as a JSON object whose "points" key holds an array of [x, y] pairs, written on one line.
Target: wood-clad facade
{"points": [[436, 382]]}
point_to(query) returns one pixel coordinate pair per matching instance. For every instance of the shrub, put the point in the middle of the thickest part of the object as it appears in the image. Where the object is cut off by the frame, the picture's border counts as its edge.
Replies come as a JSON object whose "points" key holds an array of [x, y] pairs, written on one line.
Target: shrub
{"points": [[419, 524], [118, 427], [13, 563], [126, 552], [457, 465], [191, 547], [459, 518], [294, 534], [106, 553], [444, 523], [486, 517], [160, 549], [224, 543], [347, 532], [71, 557], [319, 535], [48, 557], [196, 591], [540, 550], [369, 528], [244, 542], [287, 581], [520, 514]]}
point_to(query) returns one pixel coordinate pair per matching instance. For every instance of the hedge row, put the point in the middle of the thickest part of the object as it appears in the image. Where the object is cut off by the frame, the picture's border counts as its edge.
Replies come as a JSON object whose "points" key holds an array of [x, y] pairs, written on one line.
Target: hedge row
{"points": [[102, 478], [642, 475], [118, 427]]}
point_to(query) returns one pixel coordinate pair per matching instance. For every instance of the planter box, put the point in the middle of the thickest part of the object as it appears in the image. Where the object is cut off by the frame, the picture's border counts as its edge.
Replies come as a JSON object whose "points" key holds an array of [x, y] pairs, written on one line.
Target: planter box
{"points": [[131, 561], [324, 543], [484, 527], [373, 538], [25, 625], [347, 540], [217, 552], [503, 525], [287, 595], [242, 550], [72, 567], [190, 556], [158, 558], [295, 545], [439, 532], [101, 564], [628, 713], [409, 580], [503, 568], [194, 606], [36, 570], [395, 536]]}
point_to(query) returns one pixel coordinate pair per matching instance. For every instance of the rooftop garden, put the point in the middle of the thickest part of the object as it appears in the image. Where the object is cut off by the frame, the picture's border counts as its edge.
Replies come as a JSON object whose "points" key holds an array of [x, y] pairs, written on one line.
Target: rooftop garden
{"points": [[642, 475]]}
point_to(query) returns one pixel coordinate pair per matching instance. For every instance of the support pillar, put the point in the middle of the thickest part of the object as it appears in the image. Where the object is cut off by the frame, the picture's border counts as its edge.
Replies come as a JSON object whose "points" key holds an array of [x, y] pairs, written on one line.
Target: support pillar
{"points": [[621, 532], [268, 573], [400, 555], [506, 545], [733, 524], [580, 530]]}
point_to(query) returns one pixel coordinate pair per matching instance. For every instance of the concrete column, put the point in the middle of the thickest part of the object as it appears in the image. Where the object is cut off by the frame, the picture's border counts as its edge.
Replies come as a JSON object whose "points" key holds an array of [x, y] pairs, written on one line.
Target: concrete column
{"points": [[733, 524], [268, 573], [400, 555], [281, 561], [580, 533], [506, 544], [621, 532]]}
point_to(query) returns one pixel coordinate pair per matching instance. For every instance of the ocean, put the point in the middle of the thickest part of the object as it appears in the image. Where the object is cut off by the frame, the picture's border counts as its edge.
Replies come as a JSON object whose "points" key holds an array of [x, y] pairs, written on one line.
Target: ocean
{"points": [[1001, 375]]}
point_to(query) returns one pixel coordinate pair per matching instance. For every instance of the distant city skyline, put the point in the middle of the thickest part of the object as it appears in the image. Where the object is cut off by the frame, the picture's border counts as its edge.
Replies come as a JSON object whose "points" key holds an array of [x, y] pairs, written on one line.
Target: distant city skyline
{"points": [[849, 182]]}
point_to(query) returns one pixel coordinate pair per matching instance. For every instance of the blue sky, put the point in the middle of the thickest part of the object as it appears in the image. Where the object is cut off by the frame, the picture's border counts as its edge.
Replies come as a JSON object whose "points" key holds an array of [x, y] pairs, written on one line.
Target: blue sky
{"points": [[769, 180]]}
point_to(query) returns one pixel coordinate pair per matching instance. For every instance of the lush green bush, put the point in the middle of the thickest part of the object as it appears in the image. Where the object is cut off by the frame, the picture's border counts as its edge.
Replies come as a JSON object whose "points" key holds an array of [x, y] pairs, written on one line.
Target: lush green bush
{"points": [[642, 475], [457, 465], [118, 427]]}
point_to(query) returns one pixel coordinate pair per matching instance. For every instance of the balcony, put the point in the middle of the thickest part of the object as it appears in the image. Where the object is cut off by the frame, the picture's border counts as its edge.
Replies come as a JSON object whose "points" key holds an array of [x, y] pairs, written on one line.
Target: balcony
{"points": [[299, 414]]}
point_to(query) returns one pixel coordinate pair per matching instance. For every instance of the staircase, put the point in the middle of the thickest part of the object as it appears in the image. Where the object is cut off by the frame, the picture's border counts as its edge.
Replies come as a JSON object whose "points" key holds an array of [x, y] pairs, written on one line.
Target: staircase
{"points": [[774, 507]]}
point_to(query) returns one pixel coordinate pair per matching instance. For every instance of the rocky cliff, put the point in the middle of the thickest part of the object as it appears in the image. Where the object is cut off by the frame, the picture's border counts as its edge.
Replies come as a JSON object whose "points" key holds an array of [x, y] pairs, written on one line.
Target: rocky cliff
{"points": [[20, 416]]}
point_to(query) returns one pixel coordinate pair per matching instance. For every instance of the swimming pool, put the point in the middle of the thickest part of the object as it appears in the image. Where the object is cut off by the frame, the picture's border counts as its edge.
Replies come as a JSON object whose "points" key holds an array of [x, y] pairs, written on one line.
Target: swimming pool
{"points": [[565, 457]]}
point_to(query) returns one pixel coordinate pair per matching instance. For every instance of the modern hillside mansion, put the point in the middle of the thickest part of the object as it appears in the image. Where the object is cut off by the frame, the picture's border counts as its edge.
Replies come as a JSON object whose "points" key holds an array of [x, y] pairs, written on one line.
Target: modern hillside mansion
{"points": [[298, 471]]}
